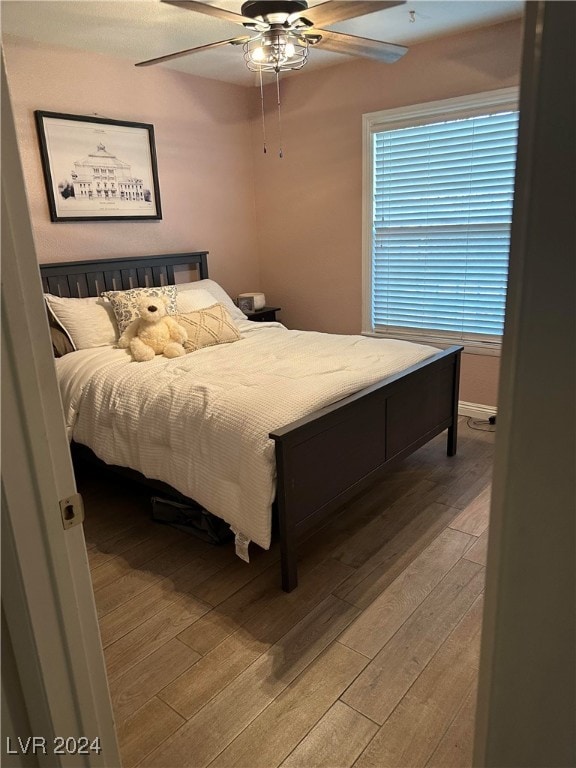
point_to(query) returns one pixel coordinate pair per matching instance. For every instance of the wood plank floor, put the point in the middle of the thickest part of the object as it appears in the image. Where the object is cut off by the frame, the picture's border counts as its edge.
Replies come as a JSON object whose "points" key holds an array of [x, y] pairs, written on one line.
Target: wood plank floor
{"points": [[372, 661]]}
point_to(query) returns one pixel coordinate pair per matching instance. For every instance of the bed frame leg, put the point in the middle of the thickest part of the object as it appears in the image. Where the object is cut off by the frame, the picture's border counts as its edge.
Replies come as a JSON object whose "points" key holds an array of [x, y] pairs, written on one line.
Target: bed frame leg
{"points": [[452, 443], [289, 566], [453, 430], [287, 535]]}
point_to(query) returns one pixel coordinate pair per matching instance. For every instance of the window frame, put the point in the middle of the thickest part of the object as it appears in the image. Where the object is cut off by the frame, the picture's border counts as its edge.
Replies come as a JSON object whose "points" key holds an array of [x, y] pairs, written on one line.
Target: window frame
{"points": [[474, 105]]}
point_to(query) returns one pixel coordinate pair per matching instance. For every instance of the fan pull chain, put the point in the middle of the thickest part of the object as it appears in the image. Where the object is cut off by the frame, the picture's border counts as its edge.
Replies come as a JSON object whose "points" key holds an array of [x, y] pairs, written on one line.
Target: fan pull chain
{"points": [[263, 118], [281, 153]]}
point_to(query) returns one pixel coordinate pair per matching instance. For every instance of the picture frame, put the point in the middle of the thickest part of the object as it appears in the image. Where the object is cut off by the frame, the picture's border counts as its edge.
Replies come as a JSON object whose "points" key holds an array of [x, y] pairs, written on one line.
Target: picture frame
{"points": [[98, 169], [246, 303]]}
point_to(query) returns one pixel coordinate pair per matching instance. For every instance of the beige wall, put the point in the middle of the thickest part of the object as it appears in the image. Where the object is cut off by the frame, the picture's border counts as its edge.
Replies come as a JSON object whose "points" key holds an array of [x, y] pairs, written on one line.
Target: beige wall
{"points": [[309, 204], [204, 150], [289, 227]]}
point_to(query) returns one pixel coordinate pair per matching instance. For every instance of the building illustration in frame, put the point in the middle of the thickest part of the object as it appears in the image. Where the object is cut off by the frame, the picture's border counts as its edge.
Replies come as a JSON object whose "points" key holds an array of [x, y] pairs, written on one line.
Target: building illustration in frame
{"points": [[102, 174]]}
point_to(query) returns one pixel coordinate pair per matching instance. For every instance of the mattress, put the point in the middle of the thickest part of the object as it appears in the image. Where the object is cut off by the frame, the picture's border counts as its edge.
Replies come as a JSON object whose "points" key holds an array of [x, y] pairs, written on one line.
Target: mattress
{"points": [[201, 422]]}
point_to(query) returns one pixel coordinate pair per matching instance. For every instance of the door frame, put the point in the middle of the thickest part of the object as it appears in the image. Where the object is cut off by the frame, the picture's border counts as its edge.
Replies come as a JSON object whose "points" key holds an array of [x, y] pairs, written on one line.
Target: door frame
{"points": [[527, 691], [48, 603]]}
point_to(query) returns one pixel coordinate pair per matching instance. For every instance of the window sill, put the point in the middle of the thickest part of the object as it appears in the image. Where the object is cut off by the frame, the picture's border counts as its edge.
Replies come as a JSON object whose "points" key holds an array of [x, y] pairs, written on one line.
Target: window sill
{"points": [[490, 348]]}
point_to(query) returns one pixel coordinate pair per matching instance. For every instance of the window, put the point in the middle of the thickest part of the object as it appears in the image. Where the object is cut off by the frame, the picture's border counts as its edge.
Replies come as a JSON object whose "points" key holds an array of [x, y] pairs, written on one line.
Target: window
{"points": [[439, 185]]}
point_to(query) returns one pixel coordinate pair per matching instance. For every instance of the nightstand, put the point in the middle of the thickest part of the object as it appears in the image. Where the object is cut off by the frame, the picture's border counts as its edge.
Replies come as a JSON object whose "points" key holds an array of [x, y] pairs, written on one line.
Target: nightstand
{"points": [[264, 315]]}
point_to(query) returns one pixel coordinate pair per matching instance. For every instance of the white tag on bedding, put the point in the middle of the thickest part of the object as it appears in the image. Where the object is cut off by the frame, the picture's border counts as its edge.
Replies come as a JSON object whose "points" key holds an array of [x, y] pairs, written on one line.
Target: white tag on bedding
{"points": [[242, 544]]}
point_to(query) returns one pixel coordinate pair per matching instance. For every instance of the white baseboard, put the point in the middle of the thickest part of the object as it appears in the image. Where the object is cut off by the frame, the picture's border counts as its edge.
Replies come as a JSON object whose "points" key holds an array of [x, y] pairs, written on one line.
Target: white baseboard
{"points": [[476, 410]]}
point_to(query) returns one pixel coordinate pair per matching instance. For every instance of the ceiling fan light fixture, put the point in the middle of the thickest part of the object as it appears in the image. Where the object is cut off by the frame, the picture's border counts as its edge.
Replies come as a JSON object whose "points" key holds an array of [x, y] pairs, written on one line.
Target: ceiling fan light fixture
{"points": [[276, 51]]}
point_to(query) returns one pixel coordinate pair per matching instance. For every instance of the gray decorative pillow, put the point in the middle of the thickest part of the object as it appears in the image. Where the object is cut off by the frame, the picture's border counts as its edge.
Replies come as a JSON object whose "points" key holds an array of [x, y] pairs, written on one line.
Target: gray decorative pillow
{"points": [[125, 303], [61, 344]]}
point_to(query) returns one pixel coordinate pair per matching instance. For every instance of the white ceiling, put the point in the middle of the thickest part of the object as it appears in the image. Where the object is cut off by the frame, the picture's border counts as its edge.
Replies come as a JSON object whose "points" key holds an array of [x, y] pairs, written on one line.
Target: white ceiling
{"points": [[142, 29]]}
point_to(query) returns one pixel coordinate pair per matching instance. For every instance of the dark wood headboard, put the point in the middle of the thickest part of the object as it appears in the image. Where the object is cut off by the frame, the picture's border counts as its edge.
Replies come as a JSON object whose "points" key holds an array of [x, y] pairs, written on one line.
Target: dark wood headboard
{"points": [[79, 279]]}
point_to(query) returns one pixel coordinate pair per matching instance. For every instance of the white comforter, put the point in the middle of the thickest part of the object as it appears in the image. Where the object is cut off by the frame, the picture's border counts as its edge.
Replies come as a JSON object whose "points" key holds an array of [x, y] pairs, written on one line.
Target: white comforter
{"points": [[201, 422]]}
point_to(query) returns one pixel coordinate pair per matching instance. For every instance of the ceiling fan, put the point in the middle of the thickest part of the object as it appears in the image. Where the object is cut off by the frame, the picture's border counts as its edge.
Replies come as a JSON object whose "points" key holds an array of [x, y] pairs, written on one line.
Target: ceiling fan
{"points": [[285, 29]]}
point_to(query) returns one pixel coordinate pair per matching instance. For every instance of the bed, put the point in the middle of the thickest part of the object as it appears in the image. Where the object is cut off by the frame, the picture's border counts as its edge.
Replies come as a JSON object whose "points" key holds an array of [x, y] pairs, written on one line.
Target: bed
{"points": [[319, 459]]}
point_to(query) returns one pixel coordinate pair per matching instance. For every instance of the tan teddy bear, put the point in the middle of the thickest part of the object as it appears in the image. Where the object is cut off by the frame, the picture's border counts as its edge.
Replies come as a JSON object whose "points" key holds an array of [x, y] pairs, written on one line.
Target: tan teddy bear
{"points": [[154, 332]]}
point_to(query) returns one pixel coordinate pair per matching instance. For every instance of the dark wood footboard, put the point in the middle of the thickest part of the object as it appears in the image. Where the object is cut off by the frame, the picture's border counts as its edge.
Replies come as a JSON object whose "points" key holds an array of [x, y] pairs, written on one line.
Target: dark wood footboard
{"points": [[326, 458]]}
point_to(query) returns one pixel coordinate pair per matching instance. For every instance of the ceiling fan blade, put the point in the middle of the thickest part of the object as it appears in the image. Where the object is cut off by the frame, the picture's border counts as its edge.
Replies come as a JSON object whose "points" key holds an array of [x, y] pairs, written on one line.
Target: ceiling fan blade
{"points": [[210, 10], [169, 56], [352, 45], [333, 11]]}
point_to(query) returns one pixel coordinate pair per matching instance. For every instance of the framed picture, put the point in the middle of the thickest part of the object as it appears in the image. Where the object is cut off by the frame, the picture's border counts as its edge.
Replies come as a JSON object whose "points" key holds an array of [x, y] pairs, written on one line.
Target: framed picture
{"points": [[97, 169], [246, 303]]}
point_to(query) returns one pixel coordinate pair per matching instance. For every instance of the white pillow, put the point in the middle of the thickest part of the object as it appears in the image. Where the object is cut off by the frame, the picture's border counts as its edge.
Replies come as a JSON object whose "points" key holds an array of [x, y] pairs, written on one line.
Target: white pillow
{"points": [[87, 322], [217, 292], [192, 301]]}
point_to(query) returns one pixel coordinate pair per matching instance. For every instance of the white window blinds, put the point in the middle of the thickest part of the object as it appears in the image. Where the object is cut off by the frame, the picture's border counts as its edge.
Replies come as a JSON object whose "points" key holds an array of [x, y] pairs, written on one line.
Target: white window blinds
{"points": [[442, 210]]}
